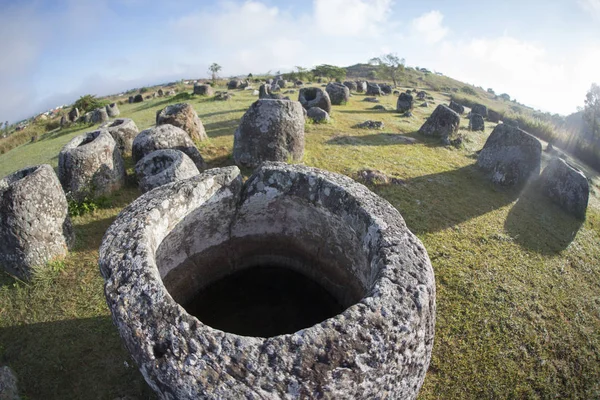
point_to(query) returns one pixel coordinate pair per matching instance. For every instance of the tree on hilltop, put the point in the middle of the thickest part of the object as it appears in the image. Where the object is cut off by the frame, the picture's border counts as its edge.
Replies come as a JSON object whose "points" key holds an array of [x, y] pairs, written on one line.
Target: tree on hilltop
{"points": [[330, 72], [87, 103], [214, 71], [591, 110], [389, 66]]}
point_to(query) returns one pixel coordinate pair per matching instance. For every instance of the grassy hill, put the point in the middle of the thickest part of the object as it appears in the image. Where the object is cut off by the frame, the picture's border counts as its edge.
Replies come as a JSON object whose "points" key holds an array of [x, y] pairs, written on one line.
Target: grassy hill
{"points": [[518, 281]]}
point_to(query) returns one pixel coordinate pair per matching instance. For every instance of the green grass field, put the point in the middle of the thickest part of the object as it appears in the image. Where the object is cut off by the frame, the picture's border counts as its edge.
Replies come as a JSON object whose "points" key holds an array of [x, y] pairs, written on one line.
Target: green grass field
{"points": [[518, 281]]}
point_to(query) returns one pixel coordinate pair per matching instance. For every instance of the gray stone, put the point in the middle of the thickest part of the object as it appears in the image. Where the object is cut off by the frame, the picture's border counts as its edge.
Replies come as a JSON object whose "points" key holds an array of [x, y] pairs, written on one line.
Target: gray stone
{"points": [[87, 117], [404, 103], [338, 93], [493, 116], [376, 177], [457, 108], [480, 109], [131, 99], [511, 156], [298, 84], [476, 122], [8, 384], [64, 121], [112, 110], [386, 89], [317, 115], [371, 99], [73, 114], [182, 115], [442, 123], [264, 91], [275, 88], [282, 83], [223, 96], [123, 130], [379, 107], [165, 137], [421, 95], [163, 166], [373, 89], [99, 115], [351, 85], [370, 125], [167, 246], [361, 86], [138, 98], [234, 84], [90, 165], [160, 92], [34, 221], [271, 130], [315, 97], [566, 186], [424, 104], [203, 90]]}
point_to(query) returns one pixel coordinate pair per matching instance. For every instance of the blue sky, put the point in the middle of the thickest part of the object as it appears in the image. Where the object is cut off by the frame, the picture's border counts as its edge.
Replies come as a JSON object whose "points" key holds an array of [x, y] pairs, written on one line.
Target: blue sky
{"points": [[544, 53]]}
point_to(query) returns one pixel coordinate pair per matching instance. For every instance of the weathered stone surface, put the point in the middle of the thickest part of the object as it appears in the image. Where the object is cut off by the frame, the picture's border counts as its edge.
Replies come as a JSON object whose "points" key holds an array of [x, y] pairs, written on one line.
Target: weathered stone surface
{"points": [[442, 123], [73, 114], [371, 99], [404, 103], [511, 156], [99, 115], [112, 110], [8, 384], [314, 97], [566, 186], [424, 104], [64, 120], [34, 221], [160, 92], [480, 109], [233, 84], [163, 166], [493, 116], [421, 95], [298, 84], [131, 99], [91, 165], [318, 115], [123, 130], [87, 117], [338, 93], [264, 91], [361, 86], [275, 88], [182, 115], [271, 130], [203, 90], [476, 122], [373, 89], [165, 137], [385, 88], [282, 83], [223, 96], [138, 98], [457, 108], [379, 346], [351, 85], [371, 125], [376, 177]]}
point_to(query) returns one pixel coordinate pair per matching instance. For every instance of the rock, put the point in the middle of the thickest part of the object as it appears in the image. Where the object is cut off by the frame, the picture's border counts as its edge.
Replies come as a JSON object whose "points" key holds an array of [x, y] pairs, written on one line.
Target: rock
{"points": [[442, 123], [510, 122], [223, 96], [282, 83], [182, 115], [376, 344], [99, 115], [424, 104], [255, 93], [511, 156], [170, 93], [566, 186], [165, 137], [275, 88], [338, 93], [233, 84], [298, 84], [361, 86], [385, 88], [379, 107], [421, 95], [493, 116], [64, 120], [404, 102], [376, 177], [123, 131], [373, 89], [476, 122], [271, 130], [8, 384], [87, 117], [203, 90], [163, 166], [160, 93], [112, 110], [131, 99], [264, 91], [318, 115], [290, 91], [73, 114], [371, 125], [457, 108], [480, 109], [138, 98], [90, 165], [351, 85], [270, 82], [315, 97], [396, 92], [244, 85], [34, 223], [371, 99]]}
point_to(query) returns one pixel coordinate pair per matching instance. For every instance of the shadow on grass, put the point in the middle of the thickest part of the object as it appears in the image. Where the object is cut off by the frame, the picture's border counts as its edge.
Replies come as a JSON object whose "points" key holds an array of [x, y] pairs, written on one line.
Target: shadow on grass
{"points": [[431, 203], [377, 139], [62, 132], [539, 225], [223, 128], [212, 114], [367, 111], [72, 359]]}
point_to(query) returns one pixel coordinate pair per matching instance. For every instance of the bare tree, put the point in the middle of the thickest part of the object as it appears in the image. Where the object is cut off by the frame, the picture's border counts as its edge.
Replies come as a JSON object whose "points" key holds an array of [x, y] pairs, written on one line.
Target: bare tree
{"points": [[390, 66]]}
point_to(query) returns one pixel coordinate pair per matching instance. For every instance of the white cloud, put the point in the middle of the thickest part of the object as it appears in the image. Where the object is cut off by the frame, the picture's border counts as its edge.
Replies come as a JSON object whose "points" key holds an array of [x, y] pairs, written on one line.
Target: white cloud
{"points": [[351, 17], [429, 27], [591, 6]]}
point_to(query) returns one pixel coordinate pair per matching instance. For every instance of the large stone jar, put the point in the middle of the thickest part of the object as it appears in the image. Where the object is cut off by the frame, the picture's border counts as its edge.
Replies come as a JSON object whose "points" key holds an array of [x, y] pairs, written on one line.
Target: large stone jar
{"points": [[305, 285]]}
